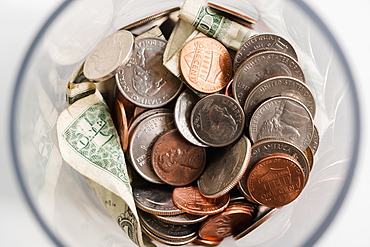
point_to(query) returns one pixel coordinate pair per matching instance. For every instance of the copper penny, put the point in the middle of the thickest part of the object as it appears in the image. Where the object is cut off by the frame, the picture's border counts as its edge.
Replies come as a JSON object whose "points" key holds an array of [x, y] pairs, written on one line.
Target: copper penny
{"points": [[190, 200], [205, 64], [121, 123], [129, 107], [228, 89], [234, 220], [275, 180], [176, 161], [204, 242]]}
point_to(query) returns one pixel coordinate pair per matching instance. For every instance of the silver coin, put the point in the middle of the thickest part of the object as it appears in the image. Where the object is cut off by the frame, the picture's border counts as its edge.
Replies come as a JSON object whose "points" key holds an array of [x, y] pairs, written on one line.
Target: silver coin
{"points": [[165, 230], [260, 67], [142, 141], [109, 56], [144, 80], [279, 86], [282, 118], [263, 42], [224, 168], [217, 120], [182, 219], [155, 199], [182, 112], [314, 145]]}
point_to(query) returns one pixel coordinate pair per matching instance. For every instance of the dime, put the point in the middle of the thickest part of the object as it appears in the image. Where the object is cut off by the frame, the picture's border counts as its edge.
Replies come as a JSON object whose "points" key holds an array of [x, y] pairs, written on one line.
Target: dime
{"points": [[217, 120], [263, 42], [275, 181], [265, 148], [121, 123], [144, 80], [225, 168], [176, 161], [260, 67], [182, 219], [234, 220], [165, 230], [279, 86], [142, 141], [282, 118], [190, 200], [314, 145], [205, 64], [182, 112], [109, 56], [155, 199]]}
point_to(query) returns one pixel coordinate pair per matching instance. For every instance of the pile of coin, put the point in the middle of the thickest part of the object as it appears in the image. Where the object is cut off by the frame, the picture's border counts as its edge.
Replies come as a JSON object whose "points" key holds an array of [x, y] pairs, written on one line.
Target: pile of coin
{"points": [[218, 148]]}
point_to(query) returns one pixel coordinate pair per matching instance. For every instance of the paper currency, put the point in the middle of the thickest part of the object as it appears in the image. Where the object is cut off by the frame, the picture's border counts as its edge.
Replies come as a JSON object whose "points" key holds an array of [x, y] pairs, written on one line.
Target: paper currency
{"points": [[228, 32], [90, 144], [75, 92], [153, 32]]}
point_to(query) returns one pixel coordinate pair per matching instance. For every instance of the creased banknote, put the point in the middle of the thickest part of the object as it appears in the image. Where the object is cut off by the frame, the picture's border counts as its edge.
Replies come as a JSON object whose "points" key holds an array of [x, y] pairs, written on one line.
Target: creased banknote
{"points": [[90, 144]]}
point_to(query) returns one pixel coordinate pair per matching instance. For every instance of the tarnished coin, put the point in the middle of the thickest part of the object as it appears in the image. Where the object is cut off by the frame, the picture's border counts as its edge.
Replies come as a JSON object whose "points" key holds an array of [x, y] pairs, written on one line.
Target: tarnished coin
{"points": [[155, 199], [182, 219], [190, 200], [144, 80], [260, 67], [205, 64], [224, 168], [217, 120], [263, 42], [314, 145], [234, 220], [279, 86], [275, 181], [121, 123], [143, 138], [282, 118], [176, 161], [165, 230], [265, 148], [109, 56], [182, 112]]}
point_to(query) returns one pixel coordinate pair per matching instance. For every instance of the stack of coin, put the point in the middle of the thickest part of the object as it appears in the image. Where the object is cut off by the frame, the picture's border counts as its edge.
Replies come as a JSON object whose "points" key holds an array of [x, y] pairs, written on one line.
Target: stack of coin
{"points": [[222, 145]]}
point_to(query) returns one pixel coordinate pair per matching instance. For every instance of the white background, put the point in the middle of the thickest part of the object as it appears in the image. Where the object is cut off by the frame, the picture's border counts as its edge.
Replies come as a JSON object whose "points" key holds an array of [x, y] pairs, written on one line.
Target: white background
{"points": [[21, 20]]}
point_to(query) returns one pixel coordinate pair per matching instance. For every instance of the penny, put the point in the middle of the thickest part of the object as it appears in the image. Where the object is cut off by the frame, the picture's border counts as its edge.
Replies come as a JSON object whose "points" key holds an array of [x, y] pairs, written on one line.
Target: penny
{"points": [[155, 199], [121, 123], [217, 120], [176, 161], [205, 64], [234, 220], [190, 200], [129, 107], [265, 148], [182, 112], [224, 168], [314, 145], [143, 138], [275, 181], [182, 219], [138, 110], [309, 154], [263, 42], [109, 56], [260, 67], [204, 242], [165, 230], [282, 118], [279, 86], [144, 80], [228, 88]]}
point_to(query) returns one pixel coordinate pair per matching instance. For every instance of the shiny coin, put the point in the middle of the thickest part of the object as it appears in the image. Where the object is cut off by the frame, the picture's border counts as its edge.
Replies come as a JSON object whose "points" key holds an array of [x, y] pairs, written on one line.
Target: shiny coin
{"points": [[282, 118], [190, 200], [217, 120], [314, 145], [224, 169], [155, 199], [182, 219], [182, 112], [234, 220], [144, 80], [205, 64], [260, 67], [275, 181], [263, 42], [142, 141], [121, 123], [109, 56], [176, 161], [279, 86]]}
